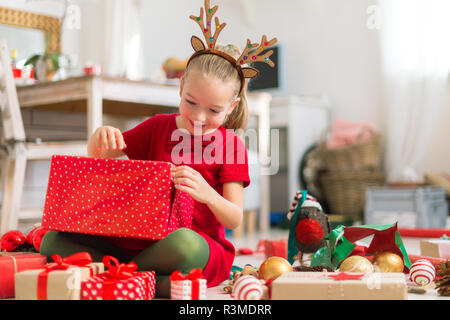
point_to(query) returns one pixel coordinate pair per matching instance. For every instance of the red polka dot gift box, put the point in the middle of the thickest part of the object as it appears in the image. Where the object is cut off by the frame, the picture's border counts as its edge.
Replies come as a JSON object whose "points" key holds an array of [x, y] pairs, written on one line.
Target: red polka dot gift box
{"points": [[119, 282], [114, 197]]}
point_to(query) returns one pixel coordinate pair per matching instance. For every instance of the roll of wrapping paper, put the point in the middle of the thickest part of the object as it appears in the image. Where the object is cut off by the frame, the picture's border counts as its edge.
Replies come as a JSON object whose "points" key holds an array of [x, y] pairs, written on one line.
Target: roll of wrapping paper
{"points": [[423, 233]]}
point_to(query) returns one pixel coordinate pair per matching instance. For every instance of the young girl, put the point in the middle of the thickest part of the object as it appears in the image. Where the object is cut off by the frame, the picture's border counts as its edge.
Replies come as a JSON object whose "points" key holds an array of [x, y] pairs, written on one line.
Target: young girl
{"points": [[211, 102]]}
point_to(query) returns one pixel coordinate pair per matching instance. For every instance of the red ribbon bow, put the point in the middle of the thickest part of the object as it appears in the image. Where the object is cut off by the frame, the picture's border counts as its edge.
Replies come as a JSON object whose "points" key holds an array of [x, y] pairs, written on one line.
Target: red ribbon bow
{"points": [[195, 275], [80, 259], [116, 271]]}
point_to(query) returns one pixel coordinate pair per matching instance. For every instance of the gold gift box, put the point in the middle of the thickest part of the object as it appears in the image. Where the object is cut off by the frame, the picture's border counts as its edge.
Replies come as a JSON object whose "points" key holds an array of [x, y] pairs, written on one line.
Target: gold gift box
{"points": [[320, 286]]}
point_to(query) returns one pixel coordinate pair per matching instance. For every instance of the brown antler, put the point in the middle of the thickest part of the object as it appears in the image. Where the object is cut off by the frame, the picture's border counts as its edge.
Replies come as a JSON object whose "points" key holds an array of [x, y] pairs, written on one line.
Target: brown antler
{"points": [[206, 29], [254, 56]]}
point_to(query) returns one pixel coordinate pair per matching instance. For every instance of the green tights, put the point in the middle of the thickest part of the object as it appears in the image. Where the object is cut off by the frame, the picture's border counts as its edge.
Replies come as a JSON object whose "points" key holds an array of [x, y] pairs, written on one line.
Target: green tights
{"points": [[181, 250]]}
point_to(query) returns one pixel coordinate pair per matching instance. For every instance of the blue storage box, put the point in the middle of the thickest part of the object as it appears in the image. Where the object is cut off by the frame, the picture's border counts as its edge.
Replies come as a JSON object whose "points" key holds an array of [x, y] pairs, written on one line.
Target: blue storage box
{"points": [[424, 207]]}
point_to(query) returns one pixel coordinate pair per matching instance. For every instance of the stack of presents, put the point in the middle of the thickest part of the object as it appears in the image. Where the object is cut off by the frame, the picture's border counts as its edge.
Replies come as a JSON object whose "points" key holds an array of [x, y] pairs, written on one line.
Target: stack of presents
{"points": [[85, 195]]}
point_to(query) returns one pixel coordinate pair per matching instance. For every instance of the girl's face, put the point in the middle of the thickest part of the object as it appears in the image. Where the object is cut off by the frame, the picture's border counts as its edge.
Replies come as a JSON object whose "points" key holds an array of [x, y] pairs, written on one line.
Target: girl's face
{"points": [[205, 102]]}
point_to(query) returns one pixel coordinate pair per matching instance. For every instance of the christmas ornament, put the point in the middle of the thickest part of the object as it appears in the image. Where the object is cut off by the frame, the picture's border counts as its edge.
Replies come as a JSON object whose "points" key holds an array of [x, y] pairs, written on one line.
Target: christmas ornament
{"points": [[12, 240], [388, 262], [422, 272], [247, 288], [31, 232], [308, 227], [309, 231], [274, 267], [247, 270], [38, 235], [356, 264]]}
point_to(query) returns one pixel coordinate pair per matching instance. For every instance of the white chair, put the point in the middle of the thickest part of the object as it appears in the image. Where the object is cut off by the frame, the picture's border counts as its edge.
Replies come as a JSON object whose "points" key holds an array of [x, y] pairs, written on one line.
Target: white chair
{"points": [[17, 151]]}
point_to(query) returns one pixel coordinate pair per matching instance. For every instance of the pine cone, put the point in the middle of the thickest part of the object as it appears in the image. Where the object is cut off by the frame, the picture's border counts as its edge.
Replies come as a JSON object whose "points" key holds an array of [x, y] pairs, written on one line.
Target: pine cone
{"points": [[443, 285], [443, 280], [443, 268], [313, 269]]}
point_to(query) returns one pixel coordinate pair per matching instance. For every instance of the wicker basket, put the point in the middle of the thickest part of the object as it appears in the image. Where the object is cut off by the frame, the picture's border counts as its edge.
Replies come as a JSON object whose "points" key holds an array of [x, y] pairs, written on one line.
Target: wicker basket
{"points": [[357, 156], [345, 192]]}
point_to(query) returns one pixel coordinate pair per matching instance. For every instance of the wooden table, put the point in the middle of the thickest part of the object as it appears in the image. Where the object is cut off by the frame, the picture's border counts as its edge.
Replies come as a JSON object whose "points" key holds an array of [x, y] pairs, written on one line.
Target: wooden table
{"points": [[97, 95]]}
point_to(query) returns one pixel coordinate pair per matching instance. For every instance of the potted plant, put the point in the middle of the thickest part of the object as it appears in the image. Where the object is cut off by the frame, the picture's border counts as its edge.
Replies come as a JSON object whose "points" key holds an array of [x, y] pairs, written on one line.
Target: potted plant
{"points": [[47, 65]]}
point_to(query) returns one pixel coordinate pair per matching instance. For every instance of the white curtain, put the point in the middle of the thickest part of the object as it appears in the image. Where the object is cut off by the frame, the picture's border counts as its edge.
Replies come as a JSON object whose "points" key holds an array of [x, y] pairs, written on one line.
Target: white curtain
{"points": [[416, 66], [123, 53]]}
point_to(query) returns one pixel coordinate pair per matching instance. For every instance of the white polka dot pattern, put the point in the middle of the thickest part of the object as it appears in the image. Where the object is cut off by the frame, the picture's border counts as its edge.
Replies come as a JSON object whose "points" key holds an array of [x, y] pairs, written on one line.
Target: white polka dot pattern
{"points": [[182, 289], [114, 197], [139, 287]]}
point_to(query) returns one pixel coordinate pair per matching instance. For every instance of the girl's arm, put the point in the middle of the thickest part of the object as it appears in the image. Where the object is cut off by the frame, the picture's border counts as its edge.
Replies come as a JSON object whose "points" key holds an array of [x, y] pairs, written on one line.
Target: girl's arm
{"points": [[227, 208], [106, 142]]}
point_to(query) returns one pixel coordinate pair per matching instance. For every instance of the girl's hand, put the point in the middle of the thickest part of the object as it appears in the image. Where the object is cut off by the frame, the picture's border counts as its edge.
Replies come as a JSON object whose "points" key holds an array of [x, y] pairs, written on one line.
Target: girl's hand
{"points": [[192, 182], [106, 142], [109, 138]]}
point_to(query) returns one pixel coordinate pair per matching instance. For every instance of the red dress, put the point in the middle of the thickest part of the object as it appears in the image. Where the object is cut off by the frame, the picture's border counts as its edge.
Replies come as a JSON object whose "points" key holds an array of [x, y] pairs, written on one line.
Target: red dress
{"points": [[224, 160]]}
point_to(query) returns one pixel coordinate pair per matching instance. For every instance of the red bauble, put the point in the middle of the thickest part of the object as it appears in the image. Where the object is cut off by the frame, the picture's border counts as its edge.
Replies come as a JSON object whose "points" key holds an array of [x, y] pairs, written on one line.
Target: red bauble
{"points": [[309, 231], [38, 235], [30, 235], [11, 240]]}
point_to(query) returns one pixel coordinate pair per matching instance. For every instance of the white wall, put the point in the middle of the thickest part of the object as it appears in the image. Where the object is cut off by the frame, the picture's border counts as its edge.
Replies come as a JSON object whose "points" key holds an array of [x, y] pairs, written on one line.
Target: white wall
{"points": [[326, 48]]}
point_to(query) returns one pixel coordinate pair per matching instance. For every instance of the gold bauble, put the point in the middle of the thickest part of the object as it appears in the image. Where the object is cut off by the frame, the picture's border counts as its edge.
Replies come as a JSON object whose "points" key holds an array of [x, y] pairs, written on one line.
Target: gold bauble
{"points": [[388, 262], [356, 264], [274, 267]]}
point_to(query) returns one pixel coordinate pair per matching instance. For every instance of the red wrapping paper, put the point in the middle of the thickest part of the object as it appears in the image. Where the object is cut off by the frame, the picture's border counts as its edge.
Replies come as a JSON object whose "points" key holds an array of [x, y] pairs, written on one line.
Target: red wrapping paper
{"points": [[119, 282], [13, 262], [273, 247], [276, 248], [114, 197], [139, 287]]}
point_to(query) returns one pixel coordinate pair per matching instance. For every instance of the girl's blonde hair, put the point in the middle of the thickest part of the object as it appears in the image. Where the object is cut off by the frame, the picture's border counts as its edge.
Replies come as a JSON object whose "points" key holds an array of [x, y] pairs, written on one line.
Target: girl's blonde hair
{"points": [[212, 64]]}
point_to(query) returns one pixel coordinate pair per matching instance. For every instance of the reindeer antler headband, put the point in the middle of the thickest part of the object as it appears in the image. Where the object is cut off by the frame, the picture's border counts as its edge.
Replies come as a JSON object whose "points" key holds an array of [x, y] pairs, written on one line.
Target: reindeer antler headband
{"points": [[246, 56]]}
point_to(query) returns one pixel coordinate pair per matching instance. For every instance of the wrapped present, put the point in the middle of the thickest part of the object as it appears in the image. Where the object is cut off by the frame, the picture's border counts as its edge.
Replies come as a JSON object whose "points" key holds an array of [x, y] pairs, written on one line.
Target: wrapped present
{"points": [[119, 282], [114, 197], [13, 262], [188, 287], [55, 281], [276, 248], [436, 248], [339, 286], [364, 240]]}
